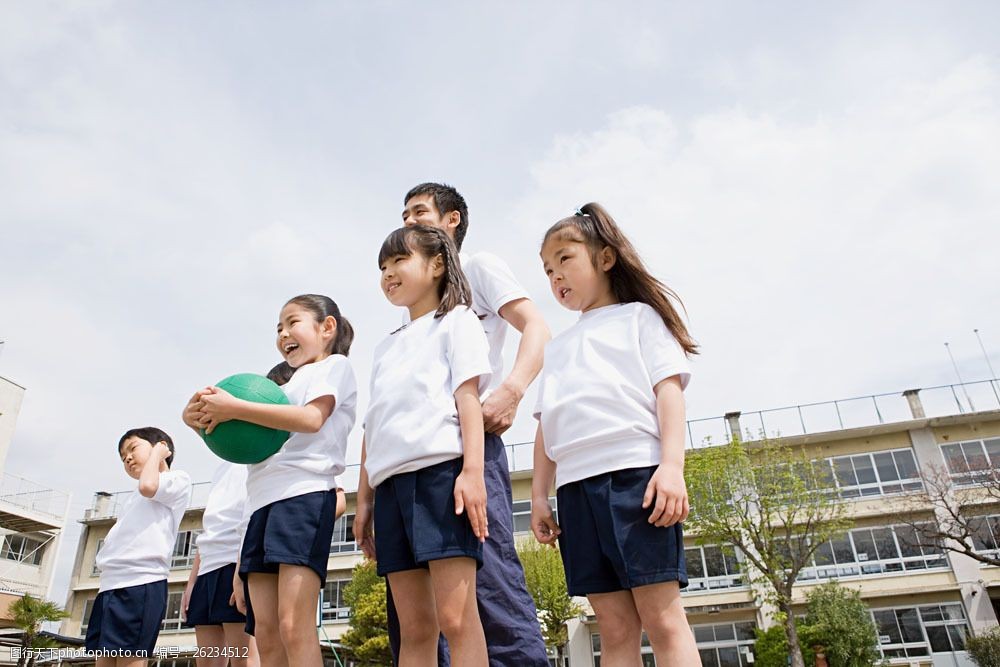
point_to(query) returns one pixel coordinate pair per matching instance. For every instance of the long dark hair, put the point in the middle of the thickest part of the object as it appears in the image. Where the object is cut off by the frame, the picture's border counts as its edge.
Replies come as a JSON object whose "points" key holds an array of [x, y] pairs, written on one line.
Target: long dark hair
{"points": [[429, 242], [323, 307], [630, 280]]}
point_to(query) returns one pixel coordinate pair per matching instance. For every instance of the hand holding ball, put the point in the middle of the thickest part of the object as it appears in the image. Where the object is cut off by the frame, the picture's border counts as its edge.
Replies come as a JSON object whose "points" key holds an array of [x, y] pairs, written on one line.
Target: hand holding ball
{"points": [[242, 442]]}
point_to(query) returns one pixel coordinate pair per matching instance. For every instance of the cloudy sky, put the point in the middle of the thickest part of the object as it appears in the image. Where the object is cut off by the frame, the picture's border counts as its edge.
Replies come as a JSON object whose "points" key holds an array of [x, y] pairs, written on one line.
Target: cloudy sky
{"points": [[819, 184]]}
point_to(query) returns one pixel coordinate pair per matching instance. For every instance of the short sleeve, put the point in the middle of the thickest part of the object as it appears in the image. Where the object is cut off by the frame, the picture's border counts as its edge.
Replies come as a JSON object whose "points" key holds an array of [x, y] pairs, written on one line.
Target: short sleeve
{"points": [[332, 377], [174, 489], [492, 281], [468, 351], [537, 412], [661, 353]]}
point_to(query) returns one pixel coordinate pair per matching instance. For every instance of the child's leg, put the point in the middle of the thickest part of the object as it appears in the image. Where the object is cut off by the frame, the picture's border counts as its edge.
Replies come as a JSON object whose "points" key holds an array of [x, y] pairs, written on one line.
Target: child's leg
{"points": [[454, 581], [621, 629], [666, 625], [243, 651], [298, 595], [264, 597], [211, 636], [418, 629]]}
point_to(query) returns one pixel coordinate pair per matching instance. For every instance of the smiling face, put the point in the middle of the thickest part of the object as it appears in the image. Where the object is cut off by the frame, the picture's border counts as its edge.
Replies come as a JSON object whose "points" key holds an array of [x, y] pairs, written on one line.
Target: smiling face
{"points": [[411, 281], [422, 210], [301, 338], [577, 280], [135, 452]]}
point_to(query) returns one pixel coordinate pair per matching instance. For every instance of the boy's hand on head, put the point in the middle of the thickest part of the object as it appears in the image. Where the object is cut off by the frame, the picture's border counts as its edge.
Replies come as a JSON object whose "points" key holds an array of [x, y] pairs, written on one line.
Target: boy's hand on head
{"points": [[500, 408], [667, 493], [160, 449], [543, 523], [470, 497]]}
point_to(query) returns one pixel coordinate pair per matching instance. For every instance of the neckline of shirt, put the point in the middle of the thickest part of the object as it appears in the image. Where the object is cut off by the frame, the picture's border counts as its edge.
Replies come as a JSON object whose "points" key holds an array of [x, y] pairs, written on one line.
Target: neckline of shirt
{"points": [[594, 312]]}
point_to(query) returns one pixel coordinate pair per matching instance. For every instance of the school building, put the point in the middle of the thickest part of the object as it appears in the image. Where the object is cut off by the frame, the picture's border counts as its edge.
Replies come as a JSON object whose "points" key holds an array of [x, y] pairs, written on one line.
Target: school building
{"points": [[924, 601], [32, 517]]}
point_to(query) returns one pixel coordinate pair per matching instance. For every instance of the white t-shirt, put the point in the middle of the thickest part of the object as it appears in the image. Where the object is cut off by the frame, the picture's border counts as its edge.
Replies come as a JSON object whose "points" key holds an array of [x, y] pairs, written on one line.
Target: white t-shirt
{"points": [[309, 462], [595, 401], [412, 421], [138, 547], [219, 542]]}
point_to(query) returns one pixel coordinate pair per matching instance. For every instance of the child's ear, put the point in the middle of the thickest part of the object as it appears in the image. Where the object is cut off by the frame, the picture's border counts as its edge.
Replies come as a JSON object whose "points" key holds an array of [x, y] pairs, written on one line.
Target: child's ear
{"points": [[330, 325], [437, 266], [607, 258]]}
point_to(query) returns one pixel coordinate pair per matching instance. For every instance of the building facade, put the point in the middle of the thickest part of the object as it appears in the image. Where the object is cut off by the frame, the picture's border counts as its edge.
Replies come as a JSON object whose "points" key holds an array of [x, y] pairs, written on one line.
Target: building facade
{"points": [[924, 600]]}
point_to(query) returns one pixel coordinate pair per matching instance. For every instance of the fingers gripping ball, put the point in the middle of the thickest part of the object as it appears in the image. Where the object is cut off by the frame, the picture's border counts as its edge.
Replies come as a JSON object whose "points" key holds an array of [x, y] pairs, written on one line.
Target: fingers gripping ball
{"points": [[242, 442]]}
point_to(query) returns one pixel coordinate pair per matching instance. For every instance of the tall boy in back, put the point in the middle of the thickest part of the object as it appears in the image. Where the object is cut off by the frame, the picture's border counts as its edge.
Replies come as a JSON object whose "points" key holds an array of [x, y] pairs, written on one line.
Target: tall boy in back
{"points": [[135, 559]]}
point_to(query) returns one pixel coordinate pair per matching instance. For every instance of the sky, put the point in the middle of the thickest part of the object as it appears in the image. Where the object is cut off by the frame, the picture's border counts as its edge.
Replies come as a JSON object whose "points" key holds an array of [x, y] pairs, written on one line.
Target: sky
{"points": [[817, 182]]}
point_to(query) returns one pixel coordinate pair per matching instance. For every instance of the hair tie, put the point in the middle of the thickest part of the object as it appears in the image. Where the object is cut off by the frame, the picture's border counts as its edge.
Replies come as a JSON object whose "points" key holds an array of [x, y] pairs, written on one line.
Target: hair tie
{"points": [[579, 213]]}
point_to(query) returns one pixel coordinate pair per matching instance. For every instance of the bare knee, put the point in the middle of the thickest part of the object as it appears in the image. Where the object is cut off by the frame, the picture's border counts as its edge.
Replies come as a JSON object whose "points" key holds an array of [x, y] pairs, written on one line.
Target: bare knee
{"points": [[456, 622], [419, 629], [292, 633], [618, 631]]}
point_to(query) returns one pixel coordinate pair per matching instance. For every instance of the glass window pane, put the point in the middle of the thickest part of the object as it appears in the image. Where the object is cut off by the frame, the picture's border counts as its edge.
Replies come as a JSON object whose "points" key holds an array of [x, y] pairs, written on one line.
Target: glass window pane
{"points": [[729, 657], [885, 619], [703, 633], [931, 613], [824, 554], [952, 612], [909, 624], [975, 455], [905, 464], [993, 451], [842, 550], [885, 466], [708, 657], [954, 458], [957, 635], [863, 469], [692, 558], [824, 472], [744, 631], [909, 542], [522, 506], [724, 632], [715, 565], [864, 545], [522, 523], [845, 471], [884, 543], [732, 565], [982, 536]]}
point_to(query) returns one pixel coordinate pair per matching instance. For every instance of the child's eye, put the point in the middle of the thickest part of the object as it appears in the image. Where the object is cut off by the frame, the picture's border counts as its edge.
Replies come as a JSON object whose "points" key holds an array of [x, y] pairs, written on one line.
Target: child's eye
{"points": [[563, 258]]}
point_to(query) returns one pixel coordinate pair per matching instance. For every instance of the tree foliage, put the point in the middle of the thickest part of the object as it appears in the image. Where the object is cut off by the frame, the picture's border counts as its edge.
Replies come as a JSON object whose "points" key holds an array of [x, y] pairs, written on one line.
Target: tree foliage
{"points": [[368, 635], [773, 504], [28, 614], [838, 620], [985, 648], [546, 580]]}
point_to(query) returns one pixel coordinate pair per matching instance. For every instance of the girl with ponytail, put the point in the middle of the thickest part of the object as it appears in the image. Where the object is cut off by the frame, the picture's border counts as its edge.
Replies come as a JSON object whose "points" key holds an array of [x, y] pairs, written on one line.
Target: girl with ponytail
{"points": [[291, 497], [422, 454], [611, 438]]}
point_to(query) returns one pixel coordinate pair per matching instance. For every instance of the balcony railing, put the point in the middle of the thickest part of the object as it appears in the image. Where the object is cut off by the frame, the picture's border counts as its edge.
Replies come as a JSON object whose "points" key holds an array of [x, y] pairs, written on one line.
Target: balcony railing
{"points": [[28, 495], [108, 506]]}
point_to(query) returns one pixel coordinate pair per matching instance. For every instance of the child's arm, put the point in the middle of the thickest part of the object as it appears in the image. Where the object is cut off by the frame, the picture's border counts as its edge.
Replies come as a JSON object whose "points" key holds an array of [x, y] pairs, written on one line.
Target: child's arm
{"points": [[500, 406], [470, 487], [238, 598], [192, 414], [186, 598], [666, 491], [363, 534], [221, 406], [543, 524], [341, 503], [149, 477]]}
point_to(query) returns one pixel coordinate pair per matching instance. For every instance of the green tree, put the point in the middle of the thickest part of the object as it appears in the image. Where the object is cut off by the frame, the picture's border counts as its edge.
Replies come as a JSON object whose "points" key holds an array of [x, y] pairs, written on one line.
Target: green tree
{"points": [[546, 580], [985, 648], [28, 615], [772, 503], [839, 621], [368, 635]]}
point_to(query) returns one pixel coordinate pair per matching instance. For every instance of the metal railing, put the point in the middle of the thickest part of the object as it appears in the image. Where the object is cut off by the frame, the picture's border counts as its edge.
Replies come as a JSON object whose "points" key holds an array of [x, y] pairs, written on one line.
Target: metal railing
{"points": [[29, 495], [110, 505]]}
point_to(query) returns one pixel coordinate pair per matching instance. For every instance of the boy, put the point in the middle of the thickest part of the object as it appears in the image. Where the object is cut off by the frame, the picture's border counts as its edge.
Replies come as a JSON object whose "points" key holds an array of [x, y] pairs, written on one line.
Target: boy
{"points": [[505, 606], [135, 558]]}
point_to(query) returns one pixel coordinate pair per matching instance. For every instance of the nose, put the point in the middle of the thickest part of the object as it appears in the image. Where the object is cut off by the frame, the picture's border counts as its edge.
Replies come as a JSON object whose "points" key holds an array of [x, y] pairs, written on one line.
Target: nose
{"points": [[409, 220]]}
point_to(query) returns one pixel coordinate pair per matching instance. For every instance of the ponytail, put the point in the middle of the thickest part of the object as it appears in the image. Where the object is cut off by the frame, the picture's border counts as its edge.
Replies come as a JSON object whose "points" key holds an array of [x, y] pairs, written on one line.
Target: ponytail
{"points": [[630, 280]]}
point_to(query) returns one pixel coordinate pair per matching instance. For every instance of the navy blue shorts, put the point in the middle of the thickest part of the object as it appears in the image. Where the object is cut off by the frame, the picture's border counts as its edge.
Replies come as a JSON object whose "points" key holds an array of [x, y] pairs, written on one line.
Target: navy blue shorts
{"points": [[294, 531], [415, 520], [210, 595], [607, 543], [127, 619]]}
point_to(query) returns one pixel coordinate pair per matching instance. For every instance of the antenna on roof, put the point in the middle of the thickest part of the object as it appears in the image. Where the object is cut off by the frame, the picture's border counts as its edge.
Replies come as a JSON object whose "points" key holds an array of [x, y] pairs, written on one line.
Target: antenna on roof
{"points": [[993, 373], [959, 376]]}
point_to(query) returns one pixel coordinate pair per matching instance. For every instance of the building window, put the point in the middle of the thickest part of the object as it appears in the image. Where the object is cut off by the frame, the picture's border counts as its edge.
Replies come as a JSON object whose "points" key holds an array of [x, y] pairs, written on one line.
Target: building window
{"points": [[725, 644], [22, 549], [96, 571], [719, 644], [913, 632], [88, 607], [522, 514], [971, 462], [172, 619], [872, 474], [871, 551], [986, 534], [332, 603], [184, 549], [713, 567], [343, 535]]}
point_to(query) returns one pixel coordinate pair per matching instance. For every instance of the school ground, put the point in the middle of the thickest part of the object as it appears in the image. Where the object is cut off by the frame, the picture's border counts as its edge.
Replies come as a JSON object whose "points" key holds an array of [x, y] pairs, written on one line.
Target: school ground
{"points": [[924, 601]]}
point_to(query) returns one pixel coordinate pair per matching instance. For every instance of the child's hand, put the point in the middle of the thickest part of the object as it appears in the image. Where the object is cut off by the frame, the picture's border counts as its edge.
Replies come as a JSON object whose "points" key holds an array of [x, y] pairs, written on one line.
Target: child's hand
{"points": [[219, 406], [363, 534], [238, 599], [193, 414], [667, 493], [186, 600], [160, 449], [470, 497], [543, 523]]}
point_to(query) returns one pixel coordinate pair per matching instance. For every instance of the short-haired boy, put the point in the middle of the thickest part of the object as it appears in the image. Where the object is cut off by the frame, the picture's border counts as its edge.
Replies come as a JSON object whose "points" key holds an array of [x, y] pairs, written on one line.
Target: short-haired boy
{"points": [[135, 559]]}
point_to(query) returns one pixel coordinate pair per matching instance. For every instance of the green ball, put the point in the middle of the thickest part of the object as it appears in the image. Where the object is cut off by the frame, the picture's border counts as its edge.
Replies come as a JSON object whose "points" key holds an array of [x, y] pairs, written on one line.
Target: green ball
{"points": [[242, 442]]}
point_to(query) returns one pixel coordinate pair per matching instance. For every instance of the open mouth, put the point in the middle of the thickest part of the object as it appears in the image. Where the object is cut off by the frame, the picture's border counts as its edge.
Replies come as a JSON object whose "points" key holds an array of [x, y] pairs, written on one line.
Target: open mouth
{"points": [[391, 287], [289, 348], [563, 291]]}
